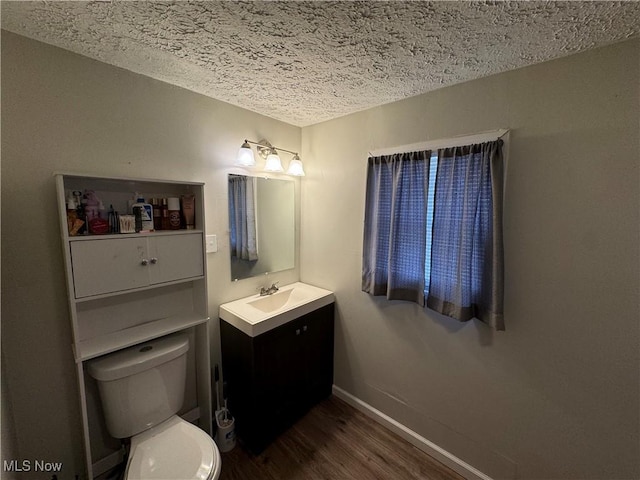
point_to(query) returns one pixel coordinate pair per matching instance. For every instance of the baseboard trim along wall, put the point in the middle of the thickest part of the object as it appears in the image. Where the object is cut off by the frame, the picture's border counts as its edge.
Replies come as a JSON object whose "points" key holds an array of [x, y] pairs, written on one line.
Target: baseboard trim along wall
{"points": [[430, 448]]}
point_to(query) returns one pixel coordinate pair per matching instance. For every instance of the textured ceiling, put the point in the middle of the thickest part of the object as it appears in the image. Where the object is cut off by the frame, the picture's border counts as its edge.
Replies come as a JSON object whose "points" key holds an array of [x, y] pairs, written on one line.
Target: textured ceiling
{"points": [[305, 62]]}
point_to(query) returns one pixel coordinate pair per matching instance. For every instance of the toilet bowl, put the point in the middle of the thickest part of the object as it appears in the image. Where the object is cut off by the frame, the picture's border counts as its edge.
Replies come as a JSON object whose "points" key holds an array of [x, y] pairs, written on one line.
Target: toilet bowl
{"points": [[175, 450], [142, 389]]}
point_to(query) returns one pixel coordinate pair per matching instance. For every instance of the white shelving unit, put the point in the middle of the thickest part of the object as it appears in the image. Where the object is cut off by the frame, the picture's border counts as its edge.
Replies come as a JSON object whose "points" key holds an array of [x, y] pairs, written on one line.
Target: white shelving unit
{"points": [[125, 289]]}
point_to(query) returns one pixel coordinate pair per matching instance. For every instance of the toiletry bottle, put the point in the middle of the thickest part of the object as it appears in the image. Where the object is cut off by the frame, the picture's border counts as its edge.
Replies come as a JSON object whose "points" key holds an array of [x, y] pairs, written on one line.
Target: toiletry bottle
{"points": [[173, 204], [113, 220], [99, 225], [92, 208], [91, 204], [157, 213], [82, 229], [146, 213], [164, 206], [189, 210], [137, 213], [73, 222]]}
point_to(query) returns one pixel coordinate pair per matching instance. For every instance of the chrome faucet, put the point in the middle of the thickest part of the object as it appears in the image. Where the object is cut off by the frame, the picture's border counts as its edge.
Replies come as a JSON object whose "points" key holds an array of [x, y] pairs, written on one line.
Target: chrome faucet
{"points": [[264, 291]]}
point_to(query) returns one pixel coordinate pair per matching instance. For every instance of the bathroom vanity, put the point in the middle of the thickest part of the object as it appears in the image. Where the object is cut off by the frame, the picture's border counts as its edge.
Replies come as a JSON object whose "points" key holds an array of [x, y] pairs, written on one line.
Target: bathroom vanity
{"points": [[277, 359], [128, 288]]}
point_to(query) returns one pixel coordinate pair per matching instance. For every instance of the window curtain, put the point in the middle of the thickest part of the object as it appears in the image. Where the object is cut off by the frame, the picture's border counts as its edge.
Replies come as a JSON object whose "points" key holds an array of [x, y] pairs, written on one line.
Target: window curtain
{"points": [[242, 218], [395, 226], [467, 271]]}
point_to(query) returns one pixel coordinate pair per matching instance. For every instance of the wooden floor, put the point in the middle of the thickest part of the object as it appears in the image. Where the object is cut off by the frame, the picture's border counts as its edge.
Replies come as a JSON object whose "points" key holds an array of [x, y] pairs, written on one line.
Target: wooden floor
{"points": [[335, 441]]}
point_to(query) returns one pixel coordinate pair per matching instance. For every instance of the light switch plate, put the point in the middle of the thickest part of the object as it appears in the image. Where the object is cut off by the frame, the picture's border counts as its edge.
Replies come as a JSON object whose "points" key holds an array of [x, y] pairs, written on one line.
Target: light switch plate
{"points": [[212, 243]]}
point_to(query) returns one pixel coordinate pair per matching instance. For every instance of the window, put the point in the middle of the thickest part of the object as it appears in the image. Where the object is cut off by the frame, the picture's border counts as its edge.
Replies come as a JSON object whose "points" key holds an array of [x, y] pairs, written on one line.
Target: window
{"points": [[433, 230]]}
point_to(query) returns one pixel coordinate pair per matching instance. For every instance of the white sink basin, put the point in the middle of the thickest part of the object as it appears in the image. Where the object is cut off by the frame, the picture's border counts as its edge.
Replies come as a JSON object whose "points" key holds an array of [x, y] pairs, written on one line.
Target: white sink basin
{"points": [[255, 314], [274, 302]]}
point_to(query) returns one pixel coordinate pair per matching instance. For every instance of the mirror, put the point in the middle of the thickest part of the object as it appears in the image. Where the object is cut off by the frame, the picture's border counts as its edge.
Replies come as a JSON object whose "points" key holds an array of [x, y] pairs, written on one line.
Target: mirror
{"points": [[261, 225]]}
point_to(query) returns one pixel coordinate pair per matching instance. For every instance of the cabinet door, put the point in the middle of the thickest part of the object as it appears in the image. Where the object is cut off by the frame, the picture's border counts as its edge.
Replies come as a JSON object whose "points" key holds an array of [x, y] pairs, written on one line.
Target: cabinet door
{"points": [[108, 265], [175, 257], [275, 377], [279, 367], [318, 331]]}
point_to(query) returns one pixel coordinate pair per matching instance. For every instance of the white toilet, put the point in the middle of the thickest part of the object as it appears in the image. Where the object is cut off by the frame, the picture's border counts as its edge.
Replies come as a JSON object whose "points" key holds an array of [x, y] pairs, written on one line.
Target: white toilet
{"points": [[142, 389]]}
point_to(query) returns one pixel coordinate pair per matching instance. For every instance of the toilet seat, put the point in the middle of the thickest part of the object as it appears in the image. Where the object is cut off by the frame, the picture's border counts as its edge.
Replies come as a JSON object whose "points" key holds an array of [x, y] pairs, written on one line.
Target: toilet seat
{"points": [[175, 450]]}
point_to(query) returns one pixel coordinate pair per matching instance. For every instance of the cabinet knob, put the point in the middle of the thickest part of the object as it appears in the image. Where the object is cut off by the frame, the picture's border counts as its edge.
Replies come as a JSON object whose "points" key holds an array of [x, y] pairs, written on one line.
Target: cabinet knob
{"points": [[144, 262], [298, 331], [154, 260], [304, 329]]}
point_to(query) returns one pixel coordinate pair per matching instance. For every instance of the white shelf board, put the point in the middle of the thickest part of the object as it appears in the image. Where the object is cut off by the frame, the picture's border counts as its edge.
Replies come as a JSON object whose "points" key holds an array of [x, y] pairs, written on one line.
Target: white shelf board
{"points": [[104, 344], [108, 236], [122, 293]]}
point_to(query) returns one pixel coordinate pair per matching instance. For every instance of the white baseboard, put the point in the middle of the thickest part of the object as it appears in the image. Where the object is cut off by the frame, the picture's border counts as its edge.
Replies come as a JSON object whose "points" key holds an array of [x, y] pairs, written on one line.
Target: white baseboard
{"points": [[448, 459]]}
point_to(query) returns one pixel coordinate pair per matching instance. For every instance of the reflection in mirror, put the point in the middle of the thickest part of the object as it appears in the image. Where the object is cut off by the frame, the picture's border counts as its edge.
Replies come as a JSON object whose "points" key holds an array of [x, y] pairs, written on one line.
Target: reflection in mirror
{"points": [[261, 225]]}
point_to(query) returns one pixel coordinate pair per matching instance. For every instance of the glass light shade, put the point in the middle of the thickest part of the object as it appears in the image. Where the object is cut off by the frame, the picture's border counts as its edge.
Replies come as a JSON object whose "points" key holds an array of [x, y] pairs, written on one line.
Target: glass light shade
{"points": [[295, 167], [273, 163], [245, 156]]}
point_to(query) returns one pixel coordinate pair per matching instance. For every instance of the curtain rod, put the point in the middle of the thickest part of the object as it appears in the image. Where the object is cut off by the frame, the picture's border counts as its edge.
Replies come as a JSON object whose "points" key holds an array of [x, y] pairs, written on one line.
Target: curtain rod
{"points": [[457, 141]]}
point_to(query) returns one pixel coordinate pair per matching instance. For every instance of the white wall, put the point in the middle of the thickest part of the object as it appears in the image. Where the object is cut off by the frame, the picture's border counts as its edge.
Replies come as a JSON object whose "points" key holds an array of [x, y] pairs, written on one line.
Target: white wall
{"points": [[64, 112], [557, 394]]}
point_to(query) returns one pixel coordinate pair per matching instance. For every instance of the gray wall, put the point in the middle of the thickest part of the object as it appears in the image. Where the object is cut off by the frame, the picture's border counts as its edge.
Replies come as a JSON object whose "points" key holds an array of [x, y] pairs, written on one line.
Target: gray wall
{"points": [[64, 112], [557, 394]]}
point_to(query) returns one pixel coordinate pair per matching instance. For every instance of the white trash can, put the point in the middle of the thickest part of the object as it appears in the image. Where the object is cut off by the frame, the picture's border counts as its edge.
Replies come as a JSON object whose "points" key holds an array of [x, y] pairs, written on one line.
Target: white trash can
{"points": [[225, 432]]}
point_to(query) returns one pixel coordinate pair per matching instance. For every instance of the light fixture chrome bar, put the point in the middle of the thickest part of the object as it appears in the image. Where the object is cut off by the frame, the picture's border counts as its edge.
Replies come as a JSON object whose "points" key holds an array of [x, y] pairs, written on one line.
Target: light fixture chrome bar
{"points": [[265, 144]]}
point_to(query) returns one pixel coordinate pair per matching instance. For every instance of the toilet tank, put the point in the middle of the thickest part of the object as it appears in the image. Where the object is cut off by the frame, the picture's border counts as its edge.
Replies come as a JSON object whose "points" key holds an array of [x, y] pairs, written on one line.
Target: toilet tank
{"points": [[143, 385]]}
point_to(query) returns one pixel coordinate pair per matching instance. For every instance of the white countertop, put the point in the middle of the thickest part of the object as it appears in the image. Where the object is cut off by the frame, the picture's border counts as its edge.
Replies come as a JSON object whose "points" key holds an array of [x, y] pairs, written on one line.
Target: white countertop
{"points": [[257, 314]]}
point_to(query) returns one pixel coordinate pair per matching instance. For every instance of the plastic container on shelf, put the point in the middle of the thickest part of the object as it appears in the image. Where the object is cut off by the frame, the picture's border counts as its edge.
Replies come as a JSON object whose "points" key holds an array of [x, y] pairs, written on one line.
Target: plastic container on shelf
{"points": [[146, 213], [173, 206]]}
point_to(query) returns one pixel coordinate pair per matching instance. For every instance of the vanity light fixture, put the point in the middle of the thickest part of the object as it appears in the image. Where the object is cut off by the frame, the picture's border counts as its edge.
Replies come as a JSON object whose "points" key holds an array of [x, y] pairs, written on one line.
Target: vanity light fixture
{"points": [[245, 156], [295, 167], [267, 151], [273, 162]]}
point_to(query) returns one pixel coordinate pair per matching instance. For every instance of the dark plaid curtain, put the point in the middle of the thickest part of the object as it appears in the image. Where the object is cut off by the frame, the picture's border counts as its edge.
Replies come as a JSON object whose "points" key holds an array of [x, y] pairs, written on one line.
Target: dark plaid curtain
{"points": [[466, 277], [467, 267], [395, 226]]}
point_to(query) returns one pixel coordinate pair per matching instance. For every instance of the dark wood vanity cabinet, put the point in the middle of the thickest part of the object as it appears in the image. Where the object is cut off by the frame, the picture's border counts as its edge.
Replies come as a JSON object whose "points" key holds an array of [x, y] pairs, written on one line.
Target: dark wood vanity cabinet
{"points": [[274, 378]]}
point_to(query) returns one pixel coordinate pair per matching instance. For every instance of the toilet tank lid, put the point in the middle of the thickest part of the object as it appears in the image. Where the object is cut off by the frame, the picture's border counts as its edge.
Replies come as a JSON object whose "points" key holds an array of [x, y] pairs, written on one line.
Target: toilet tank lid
{"points": [[144, 356]]}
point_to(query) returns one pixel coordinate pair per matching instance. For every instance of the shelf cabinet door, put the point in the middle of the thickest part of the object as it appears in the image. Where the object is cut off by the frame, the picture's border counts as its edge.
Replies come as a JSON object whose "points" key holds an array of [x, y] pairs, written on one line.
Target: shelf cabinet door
{"points": [[175, 257], [108, 265]]}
